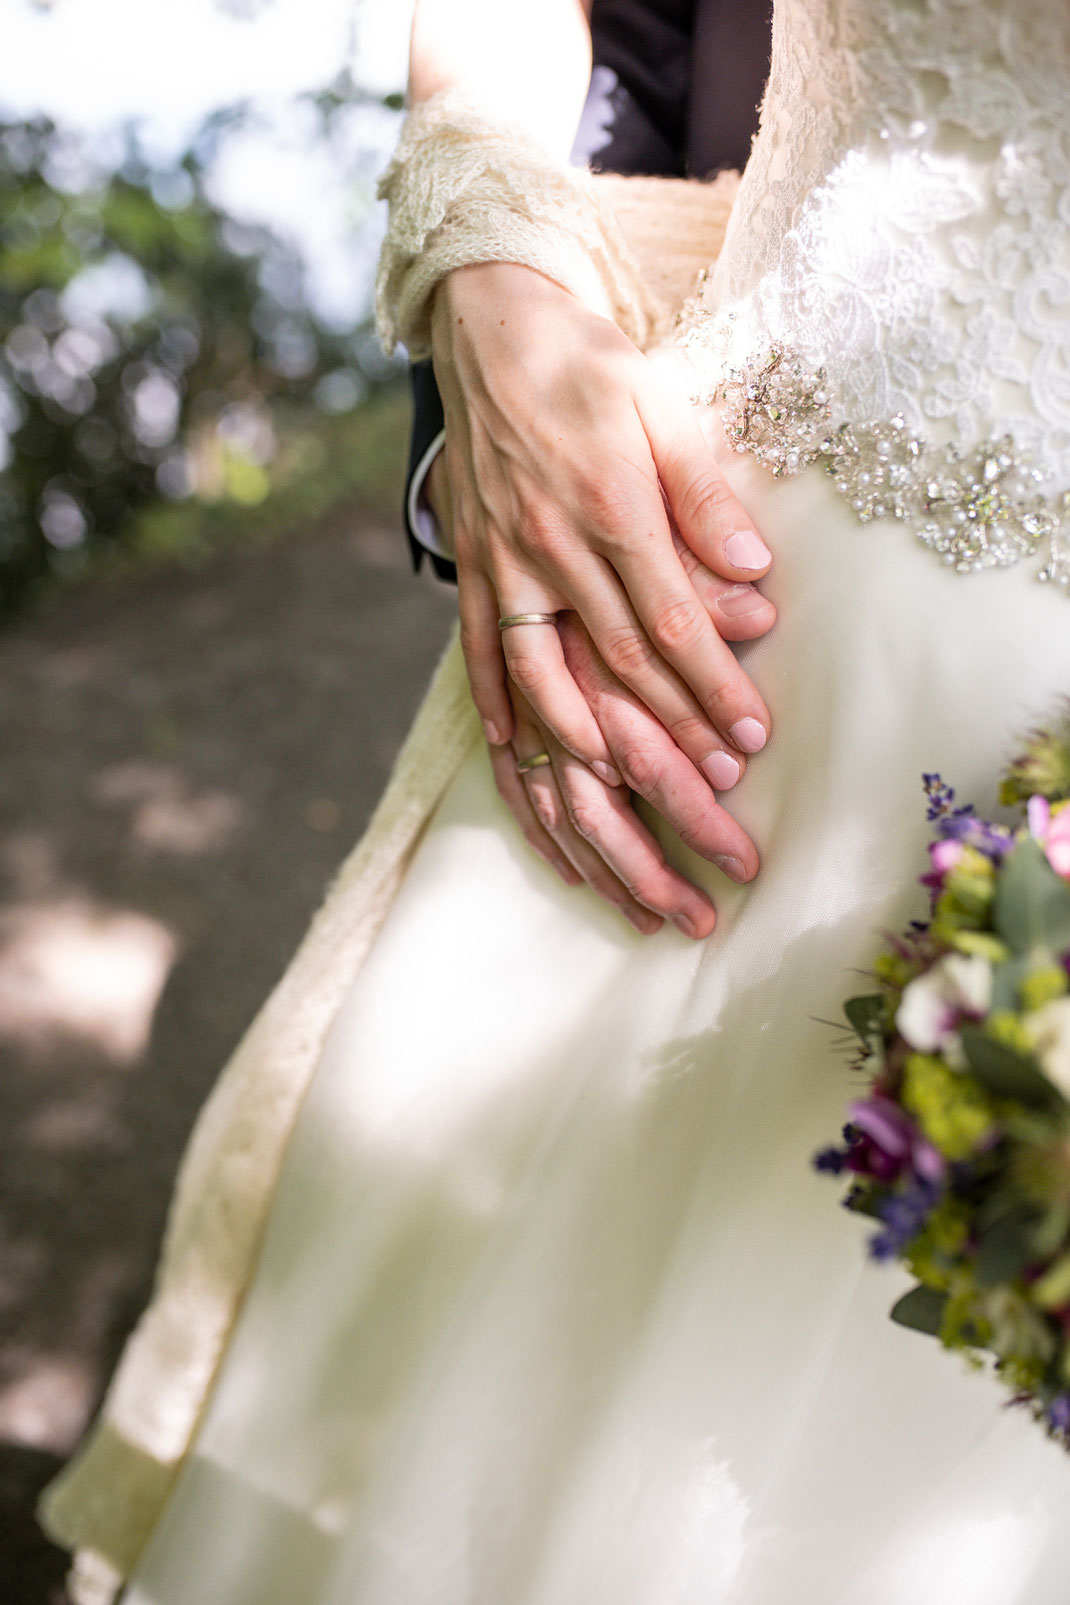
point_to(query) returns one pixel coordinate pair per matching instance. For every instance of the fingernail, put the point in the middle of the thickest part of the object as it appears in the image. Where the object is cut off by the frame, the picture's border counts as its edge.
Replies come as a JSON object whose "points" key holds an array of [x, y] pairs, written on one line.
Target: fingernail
{"points": [[683, 924], [490, 730], [745, 549], [748, 735], [645, 924], [606, 772], [721, 770], [733, 867], [741, 599]]}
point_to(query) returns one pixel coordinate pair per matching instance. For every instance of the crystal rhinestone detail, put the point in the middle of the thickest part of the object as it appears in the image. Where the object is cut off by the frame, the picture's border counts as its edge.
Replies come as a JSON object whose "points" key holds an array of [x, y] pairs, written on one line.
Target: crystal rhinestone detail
{"points": [[977, 509]]}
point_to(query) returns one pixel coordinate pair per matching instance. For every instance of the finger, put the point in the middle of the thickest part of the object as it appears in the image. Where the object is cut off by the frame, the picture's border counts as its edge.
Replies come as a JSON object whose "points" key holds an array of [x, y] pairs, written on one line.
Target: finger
{"points": [[553, 815], [710, 517], [536, 666], [608, 822], [679, 629], [626, 648], [739, 611], [482, 647], [655, 767], [514, 794]]}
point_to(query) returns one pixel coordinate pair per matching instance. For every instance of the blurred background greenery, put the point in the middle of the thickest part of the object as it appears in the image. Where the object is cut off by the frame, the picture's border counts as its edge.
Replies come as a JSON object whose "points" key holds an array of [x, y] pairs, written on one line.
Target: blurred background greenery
{"points": [[211, 640], [171, 376]]}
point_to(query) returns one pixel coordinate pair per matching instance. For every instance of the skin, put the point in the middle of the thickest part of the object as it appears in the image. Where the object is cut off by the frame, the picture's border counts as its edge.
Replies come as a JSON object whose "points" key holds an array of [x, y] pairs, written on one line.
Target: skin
{"points": [[587, 828], [576, 480]]}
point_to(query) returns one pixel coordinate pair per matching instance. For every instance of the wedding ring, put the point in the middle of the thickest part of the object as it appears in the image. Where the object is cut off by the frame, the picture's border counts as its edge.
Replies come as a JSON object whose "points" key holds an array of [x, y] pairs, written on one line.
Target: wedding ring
{"points": [[538, 760], [526, 618]]}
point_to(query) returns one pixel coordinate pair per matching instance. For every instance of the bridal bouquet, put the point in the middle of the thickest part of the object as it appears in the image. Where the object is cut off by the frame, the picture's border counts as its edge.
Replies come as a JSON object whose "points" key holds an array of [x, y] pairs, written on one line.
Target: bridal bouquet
{"points": [[959, 1149]]}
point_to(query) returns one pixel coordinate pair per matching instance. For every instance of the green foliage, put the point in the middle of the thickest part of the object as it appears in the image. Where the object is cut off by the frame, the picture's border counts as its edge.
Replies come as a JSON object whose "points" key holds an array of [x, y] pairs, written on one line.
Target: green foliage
{"points": [[1005, 1073], [922, 1310], [1043, 768], [160, 368], [1032, 905]]}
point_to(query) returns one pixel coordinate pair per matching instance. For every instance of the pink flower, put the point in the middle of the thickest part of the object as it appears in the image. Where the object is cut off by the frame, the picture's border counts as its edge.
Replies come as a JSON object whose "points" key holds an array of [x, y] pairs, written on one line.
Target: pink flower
{"points": [[1052, 831], [1057, 843], [944, 855]]}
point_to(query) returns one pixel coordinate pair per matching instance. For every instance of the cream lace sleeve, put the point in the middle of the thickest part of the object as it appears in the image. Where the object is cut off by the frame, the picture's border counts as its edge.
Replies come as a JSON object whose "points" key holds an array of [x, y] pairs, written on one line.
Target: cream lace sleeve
{"points": [[462, 190]]}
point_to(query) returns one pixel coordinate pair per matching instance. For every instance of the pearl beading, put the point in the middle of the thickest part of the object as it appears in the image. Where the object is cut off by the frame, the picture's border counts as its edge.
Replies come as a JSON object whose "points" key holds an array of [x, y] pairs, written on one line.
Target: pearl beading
{"points": [[976, 509]]}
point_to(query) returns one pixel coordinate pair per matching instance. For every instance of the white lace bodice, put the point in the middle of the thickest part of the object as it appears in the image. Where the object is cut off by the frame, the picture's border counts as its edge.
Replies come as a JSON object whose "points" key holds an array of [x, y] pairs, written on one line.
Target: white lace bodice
{"points": [[904, 222]]}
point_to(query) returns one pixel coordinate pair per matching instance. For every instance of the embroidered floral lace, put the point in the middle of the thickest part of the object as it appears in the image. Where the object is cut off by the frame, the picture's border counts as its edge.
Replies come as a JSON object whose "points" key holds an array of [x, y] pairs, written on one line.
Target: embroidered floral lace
{"points": [[897, 269]]}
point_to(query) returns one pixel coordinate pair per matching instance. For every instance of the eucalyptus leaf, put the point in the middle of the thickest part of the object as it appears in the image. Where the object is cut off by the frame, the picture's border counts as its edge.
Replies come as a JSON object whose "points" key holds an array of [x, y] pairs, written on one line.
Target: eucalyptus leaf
{"points": [[1006, 980], [1007, 1246], [1032, 905], [865, 1015], [922, 1310], [1004, 1073]]}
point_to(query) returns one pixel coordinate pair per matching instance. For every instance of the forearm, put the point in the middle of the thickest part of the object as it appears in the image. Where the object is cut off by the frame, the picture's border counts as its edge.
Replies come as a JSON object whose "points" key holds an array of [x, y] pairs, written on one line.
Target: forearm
{"points": [[522, 62]]}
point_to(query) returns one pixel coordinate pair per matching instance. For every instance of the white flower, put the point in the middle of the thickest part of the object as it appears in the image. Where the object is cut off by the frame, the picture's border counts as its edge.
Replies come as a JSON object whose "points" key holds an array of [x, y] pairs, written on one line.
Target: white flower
{"points": [[1049, 1033], [932, 1006]]}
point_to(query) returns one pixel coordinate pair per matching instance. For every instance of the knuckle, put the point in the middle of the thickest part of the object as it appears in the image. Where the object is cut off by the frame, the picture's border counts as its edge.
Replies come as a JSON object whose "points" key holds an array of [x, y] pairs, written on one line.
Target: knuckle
{"points": [[587, 816], [677, 624], [728, 701], [545, 809], [691, 733], [644, 891], [642, 768], [706, 499], [474, 640], [526, 670], [627, 652], [536, 534], [609, 508]]}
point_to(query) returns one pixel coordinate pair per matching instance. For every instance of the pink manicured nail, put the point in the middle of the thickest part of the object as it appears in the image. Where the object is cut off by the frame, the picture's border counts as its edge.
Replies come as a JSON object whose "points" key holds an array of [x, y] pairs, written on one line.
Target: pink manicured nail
{"points": [[492, 734], [606, 772], [721, 770], [741, 599], [745, 549], [748, 735], [733, 867]]}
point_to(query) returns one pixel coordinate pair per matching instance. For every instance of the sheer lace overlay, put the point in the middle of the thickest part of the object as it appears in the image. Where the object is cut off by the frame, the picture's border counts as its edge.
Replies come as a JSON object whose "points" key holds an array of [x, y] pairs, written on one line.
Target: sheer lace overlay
{"points": [[904, 223]]}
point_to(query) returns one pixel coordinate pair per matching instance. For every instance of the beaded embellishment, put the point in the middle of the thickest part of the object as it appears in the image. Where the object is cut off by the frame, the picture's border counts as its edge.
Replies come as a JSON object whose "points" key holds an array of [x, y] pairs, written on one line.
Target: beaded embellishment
{"points": [[976, 509]]}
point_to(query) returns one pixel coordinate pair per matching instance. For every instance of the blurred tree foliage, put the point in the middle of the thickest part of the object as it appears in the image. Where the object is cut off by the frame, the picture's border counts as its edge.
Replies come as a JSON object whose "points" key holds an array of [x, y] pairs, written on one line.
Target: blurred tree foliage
{"points": [[152, 351]]}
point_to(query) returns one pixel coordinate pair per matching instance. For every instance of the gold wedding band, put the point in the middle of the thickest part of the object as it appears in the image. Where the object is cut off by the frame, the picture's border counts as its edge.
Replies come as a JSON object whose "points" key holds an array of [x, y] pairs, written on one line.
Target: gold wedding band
{"points": [[526, 618], [538, 760]]}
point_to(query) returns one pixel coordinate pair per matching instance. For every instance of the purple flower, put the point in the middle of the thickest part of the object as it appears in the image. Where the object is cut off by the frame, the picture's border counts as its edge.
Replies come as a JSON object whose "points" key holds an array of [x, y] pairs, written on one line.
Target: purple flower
{"points": [[885, 1141], [903, 1216], [940, 796], [1059, 1412]]}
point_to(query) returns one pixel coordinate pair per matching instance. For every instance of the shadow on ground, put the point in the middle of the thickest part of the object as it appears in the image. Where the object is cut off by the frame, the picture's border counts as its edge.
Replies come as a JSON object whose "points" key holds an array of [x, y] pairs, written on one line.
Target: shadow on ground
{"points": [[186, 757]]}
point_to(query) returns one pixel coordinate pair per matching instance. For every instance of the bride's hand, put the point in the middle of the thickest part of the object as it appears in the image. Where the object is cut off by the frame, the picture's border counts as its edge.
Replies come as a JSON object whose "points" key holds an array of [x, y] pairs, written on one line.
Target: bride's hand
{"points": [[560, 438], [590, 831]]}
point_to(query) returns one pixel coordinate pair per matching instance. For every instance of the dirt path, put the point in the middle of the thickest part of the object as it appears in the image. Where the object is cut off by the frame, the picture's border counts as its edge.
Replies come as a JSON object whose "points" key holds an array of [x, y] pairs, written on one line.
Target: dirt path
{"points": [[184, 759]]}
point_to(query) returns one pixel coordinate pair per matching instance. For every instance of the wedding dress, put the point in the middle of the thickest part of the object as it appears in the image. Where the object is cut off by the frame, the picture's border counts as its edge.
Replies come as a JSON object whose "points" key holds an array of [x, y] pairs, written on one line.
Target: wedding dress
{"points": [[551, 1308]]}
